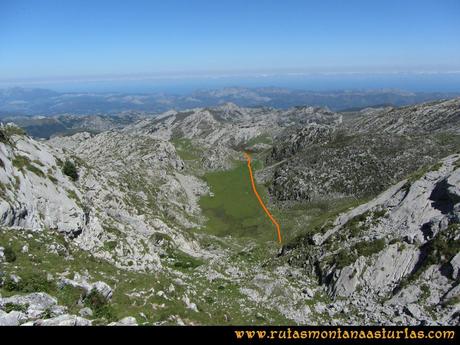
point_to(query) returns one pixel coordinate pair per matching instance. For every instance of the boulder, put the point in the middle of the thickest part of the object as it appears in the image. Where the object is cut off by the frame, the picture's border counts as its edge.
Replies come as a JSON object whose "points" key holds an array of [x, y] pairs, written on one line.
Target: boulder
{"points": [[413, 310], [452, 293], [84, 312], [13, 318], [36, 300], [455, 266], [103, 289], [346, 280], [79, 282], [35, 304], [64, 320], [126, 321], [307, 291]]}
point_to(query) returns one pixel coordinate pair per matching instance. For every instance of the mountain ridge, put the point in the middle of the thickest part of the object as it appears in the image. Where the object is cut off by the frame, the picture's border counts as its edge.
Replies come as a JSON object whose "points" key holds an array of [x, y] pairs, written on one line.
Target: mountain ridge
{"points": [[31, 101]]}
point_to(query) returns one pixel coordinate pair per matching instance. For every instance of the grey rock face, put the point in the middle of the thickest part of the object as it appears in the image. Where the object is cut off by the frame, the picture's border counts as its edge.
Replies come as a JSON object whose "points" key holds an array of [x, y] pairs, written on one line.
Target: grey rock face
{"points": [[362, 157], [398, 253], [35, 305], [80, 282], [36, 191], [103, 289], [84, 312], [345, 280], [127, 321], [13, 318], [455, 266], [414, 311], [452, 293], [36, 300], [345, 164], [422, 118], [64, 320], [140, 182]]}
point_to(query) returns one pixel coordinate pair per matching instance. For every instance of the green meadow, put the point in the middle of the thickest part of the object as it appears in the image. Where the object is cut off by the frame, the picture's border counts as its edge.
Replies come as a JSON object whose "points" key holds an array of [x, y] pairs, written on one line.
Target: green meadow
{"points": [[233, 208]]}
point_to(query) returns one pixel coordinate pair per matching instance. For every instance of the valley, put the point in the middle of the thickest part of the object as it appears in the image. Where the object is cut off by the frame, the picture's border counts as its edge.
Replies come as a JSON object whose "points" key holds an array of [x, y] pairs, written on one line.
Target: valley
{"points": [[161, 227]]}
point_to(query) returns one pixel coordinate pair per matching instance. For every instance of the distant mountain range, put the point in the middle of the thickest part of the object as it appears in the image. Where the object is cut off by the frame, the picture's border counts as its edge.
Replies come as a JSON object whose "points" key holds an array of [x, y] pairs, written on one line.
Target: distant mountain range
{"points": [[31, 101]]}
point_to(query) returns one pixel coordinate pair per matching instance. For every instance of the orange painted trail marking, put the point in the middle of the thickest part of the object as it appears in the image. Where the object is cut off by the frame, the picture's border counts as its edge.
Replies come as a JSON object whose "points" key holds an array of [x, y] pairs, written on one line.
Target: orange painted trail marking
{"points": [[248, 158]]}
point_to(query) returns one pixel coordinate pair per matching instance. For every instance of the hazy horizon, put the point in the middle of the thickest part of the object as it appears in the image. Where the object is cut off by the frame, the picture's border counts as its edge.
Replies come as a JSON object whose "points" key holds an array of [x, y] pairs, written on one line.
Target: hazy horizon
{"points": [[411, 82], [181, 45]]}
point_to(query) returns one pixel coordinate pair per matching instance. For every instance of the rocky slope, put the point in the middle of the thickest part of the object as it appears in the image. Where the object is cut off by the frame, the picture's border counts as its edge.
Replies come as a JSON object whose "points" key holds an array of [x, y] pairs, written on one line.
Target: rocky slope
{"points": [[440, 116], [221, 133], [395, 258], [45, 127], [141, 195], [35, 192], [363, 156]]}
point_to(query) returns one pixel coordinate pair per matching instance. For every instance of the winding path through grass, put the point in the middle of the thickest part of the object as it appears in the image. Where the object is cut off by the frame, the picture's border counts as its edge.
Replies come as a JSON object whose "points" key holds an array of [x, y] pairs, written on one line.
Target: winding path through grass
{"points": [[254, 189]]}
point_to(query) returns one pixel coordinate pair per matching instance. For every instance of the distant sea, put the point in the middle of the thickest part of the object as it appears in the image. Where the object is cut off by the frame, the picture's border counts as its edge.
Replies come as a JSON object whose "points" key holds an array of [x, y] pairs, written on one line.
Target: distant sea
{"points": [[424, 82]]}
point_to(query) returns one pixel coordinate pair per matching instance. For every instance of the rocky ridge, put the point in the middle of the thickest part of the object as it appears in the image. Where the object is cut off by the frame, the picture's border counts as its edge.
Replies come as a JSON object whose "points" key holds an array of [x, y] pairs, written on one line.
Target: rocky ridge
{"points": [[363, 156], [396, 254]]}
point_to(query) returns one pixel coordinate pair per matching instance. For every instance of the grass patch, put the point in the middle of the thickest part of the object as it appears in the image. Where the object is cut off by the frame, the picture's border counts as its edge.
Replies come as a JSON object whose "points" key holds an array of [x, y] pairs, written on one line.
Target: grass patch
{"points": [[184, 261], [72, 195], [71, 297], [260, 139], [100, 306], [310, 218], [110, 245], [9, 307], [439, 251], [52, 178], [23, 162], [134, 293], [357, 224], [30, 282], [10, 254], [35, 170], [452, 301], [185, 149], [37, 162], [233, 209], [347, 256], [8, 131], [426, 292], [417, 175], [20, 162]]}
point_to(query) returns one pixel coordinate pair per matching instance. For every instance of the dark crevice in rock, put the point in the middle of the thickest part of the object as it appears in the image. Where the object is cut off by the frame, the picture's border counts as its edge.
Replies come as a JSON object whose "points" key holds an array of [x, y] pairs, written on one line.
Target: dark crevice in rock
{"points": [[441, 198], [427, 230]]}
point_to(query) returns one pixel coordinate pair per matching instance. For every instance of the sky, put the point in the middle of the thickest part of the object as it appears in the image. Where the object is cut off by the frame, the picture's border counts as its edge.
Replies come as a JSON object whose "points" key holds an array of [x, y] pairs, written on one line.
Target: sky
{"points": [[62, 40]]}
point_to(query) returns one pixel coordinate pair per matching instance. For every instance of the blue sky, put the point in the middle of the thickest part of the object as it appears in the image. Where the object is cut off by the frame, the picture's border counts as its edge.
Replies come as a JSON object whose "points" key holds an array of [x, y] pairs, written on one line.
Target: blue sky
{"points": [[57, 39]]}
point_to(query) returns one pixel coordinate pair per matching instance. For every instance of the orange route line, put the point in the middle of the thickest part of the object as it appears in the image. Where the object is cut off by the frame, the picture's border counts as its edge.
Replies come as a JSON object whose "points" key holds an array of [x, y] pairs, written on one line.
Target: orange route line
{"points": [[248, 158]]}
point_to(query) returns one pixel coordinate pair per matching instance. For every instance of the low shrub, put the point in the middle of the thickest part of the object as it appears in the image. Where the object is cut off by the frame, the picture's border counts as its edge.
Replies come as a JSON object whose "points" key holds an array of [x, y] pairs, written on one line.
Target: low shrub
{"points": [[10, 255], [70, 170]]}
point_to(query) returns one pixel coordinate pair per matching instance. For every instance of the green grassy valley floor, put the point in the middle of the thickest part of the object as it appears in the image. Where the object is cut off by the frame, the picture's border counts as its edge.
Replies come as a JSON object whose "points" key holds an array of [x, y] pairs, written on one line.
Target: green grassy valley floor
{"points": [[232, 208]]}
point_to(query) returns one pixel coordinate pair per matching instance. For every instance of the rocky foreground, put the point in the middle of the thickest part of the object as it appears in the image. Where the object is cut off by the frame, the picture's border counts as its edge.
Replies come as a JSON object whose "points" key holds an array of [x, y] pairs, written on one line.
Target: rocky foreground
{"points": [[147, 225]]}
